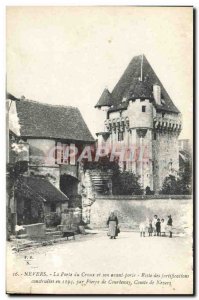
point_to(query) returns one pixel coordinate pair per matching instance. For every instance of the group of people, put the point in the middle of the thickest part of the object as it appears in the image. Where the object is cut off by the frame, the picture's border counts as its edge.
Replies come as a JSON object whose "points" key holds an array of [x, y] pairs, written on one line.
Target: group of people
{"points": [[155, 227]]}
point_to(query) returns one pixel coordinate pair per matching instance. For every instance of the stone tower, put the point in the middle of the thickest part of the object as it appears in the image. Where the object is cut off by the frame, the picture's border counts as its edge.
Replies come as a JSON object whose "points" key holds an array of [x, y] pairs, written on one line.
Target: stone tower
{"points": [[141, 118]]}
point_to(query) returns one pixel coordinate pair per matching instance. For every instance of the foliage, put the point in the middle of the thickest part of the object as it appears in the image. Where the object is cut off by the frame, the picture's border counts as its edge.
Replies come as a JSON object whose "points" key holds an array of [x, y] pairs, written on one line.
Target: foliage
{"points": [[149, 191], [104, 164], [170, 186], [185, 179], [178, 186], [126, 183], [123, 183]]}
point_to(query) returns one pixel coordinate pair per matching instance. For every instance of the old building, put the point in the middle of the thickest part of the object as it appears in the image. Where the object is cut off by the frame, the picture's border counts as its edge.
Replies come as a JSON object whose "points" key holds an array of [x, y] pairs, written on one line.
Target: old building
{"points": [[141, 118], [46, 180]]}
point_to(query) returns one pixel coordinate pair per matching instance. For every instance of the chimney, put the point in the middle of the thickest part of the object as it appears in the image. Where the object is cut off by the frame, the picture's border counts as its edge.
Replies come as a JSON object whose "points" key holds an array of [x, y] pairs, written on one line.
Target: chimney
{"points": [[157, 93]]}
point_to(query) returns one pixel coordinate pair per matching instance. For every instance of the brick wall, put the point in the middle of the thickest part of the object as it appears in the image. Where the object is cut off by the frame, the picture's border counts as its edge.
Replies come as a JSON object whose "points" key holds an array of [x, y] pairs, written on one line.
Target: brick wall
{"points": [[131, 212]]}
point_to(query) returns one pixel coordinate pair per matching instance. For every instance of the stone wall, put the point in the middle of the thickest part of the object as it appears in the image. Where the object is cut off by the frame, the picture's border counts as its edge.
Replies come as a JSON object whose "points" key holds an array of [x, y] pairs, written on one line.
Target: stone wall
{"points": [[159, 143], [165, 157], [137, 118], [35, 230], [86, 190], [42, 152], [132, 212]]}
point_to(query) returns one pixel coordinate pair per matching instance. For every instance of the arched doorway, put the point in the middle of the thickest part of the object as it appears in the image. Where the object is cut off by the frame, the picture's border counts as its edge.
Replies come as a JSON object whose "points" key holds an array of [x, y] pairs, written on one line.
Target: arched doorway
{"points": [[69, 186]]}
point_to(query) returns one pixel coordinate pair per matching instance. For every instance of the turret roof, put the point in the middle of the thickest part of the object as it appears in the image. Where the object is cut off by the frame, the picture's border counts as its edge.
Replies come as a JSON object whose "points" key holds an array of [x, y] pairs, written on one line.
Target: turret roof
{"points": [[137, 82], [105, 99]]}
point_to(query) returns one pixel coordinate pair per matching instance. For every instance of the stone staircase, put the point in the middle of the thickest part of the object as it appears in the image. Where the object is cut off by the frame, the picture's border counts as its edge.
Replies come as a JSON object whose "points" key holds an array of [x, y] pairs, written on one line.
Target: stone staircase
{"points": [[22, 241], [53, 232]]}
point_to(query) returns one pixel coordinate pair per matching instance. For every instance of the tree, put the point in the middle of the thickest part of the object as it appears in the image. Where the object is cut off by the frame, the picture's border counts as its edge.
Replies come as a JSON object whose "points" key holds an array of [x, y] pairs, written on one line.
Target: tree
{"points": [[185, 179], [123, 183], [126, 183], [148, 191], [181, 185], [103, 163], [170, 186]]}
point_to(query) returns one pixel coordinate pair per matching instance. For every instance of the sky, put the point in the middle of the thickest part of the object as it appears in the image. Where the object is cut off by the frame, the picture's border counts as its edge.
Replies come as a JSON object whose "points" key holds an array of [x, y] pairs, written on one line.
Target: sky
{"points": [[68, 55]]}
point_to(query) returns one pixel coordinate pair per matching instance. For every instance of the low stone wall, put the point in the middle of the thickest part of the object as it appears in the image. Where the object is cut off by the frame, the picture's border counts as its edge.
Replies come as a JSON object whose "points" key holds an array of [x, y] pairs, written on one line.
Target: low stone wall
{"points": [[131, 212], [35, 230]]}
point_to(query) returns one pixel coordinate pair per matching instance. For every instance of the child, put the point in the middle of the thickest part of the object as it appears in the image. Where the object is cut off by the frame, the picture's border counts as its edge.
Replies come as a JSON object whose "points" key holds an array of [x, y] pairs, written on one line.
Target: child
{"points": [[142, 229], [158, 227], [163, 228], [154, 224], [150, 228]]}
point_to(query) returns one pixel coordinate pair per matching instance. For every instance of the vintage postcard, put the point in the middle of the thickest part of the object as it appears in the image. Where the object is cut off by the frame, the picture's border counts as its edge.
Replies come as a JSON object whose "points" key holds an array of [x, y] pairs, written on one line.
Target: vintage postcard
{"points": [[99, 104]]}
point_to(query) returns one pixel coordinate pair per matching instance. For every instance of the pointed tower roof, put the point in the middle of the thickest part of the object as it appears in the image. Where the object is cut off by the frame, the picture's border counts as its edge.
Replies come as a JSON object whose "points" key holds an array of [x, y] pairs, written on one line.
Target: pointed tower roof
{"points": [[105, 99], [137, 81]]}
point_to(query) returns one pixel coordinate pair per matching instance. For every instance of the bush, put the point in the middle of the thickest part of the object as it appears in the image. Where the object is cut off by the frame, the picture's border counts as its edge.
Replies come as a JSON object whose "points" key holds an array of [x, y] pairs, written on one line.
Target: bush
{"points": [[126, 183], [185, 179], [178, 186], [149, 191], [104, 164], [170, 186]]}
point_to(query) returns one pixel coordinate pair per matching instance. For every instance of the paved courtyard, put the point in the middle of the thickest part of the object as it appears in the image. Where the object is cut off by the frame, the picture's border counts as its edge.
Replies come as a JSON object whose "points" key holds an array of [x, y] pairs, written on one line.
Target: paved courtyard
{"points": [[96, 253]]}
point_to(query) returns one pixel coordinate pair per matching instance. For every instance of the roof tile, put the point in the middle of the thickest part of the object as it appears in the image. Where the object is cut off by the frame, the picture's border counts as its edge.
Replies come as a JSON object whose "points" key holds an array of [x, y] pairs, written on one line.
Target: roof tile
{"points": [[52, 121], [105, 99], [130, 86]]}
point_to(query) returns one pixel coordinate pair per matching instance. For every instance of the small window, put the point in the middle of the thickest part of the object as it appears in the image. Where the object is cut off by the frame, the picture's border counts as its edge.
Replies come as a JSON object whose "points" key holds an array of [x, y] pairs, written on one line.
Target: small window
{"points": [[120, 136], [154, 136], [143, 108]]}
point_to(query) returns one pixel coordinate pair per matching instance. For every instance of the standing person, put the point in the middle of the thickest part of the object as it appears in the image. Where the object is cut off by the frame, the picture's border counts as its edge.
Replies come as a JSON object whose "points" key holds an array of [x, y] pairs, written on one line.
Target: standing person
{"points": [[142, 229], [155, 218], [112, 225], [169, 224], [163, 228], [158, 227], [150, 228]]}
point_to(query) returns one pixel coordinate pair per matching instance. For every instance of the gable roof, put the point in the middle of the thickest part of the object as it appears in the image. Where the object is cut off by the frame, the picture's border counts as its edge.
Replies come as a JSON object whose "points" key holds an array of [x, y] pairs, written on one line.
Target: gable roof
{"points": [[52, 121], [40, 188], [105, 99], [130, 87]]}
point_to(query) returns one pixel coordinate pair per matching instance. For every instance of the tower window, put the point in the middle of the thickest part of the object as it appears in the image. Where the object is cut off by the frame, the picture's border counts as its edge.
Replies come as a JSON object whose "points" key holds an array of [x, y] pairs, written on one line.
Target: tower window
{"points": [[143, 108], [154, 136], [120, 136]]}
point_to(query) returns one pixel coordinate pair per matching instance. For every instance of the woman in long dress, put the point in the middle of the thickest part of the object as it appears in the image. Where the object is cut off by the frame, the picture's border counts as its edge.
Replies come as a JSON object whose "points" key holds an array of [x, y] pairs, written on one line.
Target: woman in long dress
{"points": [[112, 225]]}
